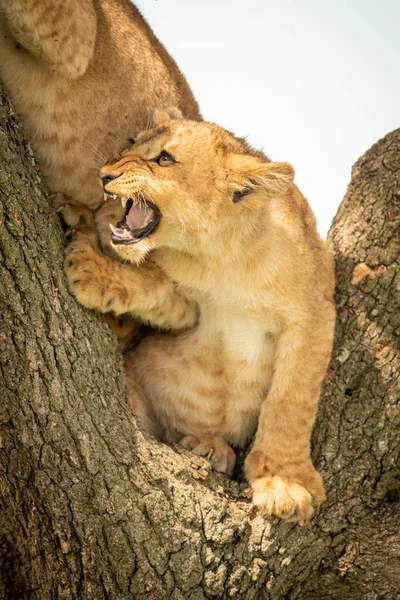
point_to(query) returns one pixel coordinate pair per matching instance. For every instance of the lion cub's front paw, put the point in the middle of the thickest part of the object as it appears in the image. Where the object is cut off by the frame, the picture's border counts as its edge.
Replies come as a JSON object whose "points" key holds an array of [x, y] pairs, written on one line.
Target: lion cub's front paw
{"points": [[213, 447], [290, 501], [290, 493], [84, 269]]}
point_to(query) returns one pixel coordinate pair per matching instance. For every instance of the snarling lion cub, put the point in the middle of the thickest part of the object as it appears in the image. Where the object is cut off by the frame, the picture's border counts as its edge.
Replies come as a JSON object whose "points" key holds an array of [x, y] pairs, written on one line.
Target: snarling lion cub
{"points": [[228, 251]]}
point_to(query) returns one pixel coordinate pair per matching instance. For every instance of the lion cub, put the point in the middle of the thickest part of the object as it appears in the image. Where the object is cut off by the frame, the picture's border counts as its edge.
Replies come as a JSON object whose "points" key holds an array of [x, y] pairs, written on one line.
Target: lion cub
{"points": [[233, 257]]}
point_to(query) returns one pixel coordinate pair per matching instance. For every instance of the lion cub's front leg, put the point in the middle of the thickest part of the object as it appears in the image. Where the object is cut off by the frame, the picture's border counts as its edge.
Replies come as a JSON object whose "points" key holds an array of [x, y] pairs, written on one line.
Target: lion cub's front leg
{"points": [[100, 283], [279, 467]]}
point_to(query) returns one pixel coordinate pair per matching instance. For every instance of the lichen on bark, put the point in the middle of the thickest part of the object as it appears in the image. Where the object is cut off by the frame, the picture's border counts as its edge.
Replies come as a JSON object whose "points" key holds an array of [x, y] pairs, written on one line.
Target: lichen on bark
{"points": [[93, 508]]}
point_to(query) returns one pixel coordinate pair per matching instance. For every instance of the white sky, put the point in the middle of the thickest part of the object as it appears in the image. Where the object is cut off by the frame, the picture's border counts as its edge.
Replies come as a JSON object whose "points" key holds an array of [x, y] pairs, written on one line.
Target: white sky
{"points": [[311, 82]]}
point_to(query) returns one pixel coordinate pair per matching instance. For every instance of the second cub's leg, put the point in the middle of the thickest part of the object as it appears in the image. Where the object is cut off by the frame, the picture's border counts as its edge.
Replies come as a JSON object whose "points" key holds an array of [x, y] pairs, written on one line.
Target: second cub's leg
{"points": [[61, 35]]}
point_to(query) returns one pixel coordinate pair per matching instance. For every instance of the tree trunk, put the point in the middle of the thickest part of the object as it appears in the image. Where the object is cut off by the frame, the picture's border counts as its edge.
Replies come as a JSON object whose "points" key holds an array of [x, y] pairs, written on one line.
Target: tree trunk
{"points": [[91, 508]]}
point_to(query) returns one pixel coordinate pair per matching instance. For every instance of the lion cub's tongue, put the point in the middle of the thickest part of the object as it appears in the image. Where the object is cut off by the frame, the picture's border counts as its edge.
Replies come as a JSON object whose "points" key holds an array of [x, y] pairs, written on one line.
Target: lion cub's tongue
{"points": [[139, 216]]}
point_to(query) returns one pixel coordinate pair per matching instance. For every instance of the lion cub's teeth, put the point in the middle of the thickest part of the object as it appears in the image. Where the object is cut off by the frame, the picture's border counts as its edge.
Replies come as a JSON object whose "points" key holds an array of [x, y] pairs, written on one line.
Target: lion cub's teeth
{"points": [[124, 200], [122, 234], [111, 226]]}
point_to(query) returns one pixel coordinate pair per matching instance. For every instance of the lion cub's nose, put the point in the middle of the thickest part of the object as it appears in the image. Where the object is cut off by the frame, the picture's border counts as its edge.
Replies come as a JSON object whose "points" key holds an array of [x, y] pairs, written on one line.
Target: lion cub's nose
{"points": [[106, 177]]}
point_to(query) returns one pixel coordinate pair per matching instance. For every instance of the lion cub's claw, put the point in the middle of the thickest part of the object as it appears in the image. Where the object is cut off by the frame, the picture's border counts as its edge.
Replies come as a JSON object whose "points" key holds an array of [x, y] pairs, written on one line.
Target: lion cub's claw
{"points": [[214, 448]]}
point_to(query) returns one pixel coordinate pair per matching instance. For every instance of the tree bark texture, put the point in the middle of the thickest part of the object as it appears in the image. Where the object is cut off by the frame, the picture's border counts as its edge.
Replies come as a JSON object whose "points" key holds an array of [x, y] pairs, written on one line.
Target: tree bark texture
{"points": [[91, 508]]}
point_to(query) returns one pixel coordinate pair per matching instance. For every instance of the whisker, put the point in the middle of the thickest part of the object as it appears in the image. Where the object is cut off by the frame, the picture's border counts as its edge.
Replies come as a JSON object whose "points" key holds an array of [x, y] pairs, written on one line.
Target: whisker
{"points": [[96, 153], [149, 119], [183, 226]]}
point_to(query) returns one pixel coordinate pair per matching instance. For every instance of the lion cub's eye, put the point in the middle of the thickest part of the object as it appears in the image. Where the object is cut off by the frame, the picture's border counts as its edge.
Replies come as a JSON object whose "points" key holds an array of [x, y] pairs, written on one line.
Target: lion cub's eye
{"points": [[164, 159]]}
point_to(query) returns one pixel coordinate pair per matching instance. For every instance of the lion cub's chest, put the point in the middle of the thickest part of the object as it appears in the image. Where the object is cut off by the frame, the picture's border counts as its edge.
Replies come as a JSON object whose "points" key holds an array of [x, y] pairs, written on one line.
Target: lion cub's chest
{"points": [[243, 337]]}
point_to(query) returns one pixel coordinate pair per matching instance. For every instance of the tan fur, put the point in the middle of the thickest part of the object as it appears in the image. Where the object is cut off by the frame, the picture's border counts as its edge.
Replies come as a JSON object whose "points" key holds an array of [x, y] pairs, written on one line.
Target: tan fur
{"points": [[263, 283], [85, 75]]}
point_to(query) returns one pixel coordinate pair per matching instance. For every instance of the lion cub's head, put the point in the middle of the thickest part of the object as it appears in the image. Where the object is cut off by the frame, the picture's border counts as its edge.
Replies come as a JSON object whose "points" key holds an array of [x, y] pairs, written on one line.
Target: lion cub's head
{"points": [[187, 183]]}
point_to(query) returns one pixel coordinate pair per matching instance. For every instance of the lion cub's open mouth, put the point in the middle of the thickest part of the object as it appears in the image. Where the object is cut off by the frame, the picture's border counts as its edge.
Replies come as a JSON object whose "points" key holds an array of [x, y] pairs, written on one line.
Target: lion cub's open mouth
{"points": [[141, 219]]}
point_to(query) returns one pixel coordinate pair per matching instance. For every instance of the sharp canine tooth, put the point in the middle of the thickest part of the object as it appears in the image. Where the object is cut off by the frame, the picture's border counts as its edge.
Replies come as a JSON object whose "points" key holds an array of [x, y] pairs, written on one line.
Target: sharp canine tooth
{"points": [[105, 196], [111, 226], [124, 200]]}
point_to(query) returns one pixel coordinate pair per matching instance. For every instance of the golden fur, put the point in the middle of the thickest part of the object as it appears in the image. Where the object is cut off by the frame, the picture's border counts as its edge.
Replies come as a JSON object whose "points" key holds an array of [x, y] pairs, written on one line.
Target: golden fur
{"points": [[236, 262], [85, 75]]}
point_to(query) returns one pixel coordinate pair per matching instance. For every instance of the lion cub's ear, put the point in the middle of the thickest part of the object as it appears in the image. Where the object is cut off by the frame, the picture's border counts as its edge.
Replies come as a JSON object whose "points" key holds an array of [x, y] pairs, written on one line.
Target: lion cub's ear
{"points": [[247, 174], [166, 114]]}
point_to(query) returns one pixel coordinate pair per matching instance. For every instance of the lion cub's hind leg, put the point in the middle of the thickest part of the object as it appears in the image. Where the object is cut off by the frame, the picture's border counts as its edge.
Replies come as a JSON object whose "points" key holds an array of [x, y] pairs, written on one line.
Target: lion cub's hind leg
{"points": [[214, 448], [140, 404]]}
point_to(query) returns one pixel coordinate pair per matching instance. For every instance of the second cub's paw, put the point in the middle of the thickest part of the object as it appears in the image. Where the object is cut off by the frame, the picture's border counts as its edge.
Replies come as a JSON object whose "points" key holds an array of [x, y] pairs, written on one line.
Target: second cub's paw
{"points": [[214, 448], [290, 493]]}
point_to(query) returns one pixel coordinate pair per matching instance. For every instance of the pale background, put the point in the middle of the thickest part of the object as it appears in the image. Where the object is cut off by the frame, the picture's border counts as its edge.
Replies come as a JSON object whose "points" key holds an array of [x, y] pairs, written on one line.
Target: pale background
{"points": [[312, 82]]}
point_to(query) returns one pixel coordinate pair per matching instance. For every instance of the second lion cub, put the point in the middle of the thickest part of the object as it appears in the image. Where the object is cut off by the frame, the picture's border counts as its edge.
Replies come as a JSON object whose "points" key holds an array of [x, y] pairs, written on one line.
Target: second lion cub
{"points": [[233, 256]]}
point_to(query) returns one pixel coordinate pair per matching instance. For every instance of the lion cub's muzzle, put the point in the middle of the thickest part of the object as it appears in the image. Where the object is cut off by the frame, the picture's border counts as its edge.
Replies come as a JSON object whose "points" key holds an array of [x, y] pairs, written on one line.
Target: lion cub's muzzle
{"points": [[141, 219], [142, 216]]}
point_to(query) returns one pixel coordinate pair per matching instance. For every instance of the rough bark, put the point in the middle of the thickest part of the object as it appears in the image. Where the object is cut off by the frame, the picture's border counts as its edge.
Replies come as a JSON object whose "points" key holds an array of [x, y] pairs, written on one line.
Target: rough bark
{"points": [[91, 508]]}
